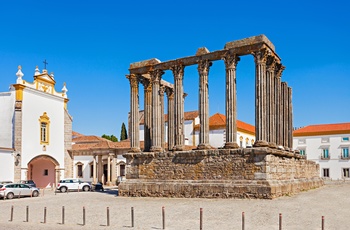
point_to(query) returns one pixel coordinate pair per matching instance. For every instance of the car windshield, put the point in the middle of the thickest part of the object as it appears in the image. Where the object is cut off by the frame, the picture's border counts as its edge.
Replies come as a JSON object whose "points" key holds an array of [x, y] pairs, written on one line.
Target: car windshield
{"points": [[1, 185]]}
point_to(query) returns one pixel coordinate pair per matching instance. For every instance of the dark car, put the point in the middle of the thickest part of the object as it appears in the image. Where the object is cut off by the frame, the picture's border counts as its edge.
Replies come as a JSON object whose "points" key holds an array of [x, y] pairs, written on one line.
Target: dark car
{"points": [[30, 183], [97, 187]]}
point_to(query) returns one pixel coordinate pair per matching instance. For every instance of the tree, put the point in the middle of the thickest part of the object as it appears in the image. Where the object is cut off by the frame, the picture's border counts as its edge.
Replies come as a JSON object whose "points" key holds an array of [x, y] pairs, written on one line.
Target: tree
{"points": [[123, 133], [111, 137]]}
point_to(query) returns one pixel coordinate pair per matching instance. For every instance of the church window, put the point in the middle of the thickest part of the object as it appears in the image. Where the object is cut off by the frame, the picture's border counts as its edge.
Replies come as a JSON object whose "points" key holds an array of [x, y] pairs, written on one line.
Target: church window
{"points": [[44, 129], [46, 172]]}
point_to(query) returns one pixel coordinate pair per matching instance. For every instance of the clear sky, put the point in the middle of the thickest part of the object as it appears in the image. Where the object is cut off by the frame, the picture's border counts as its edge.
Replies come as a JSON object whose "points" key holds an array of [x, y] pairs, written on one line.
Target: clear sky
{"points": [[90, 44]]}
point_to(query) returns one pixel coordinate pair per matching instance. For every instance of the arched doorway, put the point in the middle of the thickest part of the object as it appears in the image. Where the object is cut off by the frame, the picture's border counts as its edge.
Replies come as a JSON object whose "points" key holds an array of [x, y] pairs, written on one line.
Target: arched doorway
{"points": [[42, 170]]}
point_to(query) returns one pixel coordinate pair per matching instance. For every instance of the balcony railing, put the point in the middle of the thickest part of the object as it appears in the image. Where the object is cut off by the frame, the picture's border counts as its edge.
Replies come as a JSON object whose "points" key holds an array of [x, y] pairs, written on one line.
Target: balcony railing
{"points": [[325, 157], [344, 157]]}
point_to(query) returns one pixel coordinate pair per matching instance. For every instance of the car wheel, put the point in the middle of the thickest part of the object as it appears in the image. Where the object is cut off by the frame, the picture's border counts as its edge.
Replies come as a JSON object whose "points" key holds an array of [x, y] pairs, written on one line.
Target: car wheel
{"points": [[10, 195], [86, 188], [35, 194], [63, 189]]}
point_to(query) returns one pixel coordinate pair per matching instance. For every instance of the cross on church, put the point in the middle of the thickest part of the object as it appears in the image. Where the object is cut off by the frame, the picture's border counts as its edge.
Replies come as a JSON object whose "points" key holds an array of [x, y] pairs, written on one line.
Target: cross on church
{"points": [[45, 63]]}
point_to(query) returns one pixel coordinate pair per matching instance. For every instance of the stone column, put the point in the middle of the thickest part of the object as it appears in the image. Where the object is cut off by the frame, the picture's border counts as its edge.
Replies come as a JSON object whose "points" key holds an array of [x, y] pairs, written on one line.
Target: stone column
{"points": [[278, 105], [147, 113], [203, 70], [260, 98], [156, 76], [171, 118], [113, 171], [94, 173], [109, 170], [231, 61], [99, 169], [161, 114], [134, 113], [284, 114], [178, 71], [290, 119], [271, 129]]}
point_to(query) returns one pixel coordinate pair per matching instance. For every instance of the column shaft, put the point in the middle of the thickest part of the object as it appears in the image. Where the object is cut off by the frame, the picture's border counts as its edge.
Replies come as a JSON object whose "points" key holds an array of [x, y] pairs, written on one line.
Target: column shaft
{"points": [[161, 114], [231, 61], [94, 173], [156, 145], [260, 98], [147, 113], [171, 118], [203, 70], [178, 71], [134, 114], [271, 131], [109, 170], [290, 119]]}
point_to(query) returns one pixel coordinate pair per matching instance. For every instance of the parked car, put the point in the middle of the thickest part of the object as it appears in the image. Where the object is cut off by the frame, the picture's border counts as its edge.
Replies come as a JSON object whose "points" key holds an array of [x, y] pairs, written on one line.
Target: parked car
{"points": [[97, 187], [30, 183], [17, 189], [73, 184]]}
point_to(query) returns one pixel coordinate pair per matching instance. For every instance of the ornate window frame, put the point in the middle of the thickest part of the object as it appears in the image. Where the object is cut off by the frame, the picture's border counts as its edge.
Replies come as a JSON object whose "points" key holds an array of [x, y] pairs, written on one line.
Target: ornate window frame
{"points": [[44, 124], [78, 165]]}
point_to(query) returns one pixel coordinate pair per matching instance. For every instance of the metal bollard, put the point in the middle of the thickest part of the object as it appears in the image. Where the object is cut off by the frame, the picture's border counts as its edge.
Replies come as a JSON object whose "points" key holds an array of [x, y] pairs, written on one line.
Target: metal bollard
{"points": [[11, 217], [132, 217], [200, 218], [243, 221], [280, 221], [44, 215], [83, 215], [163, 217], [107, 216], [62, 214], [19, 195], [322, 222], [27, 214]]}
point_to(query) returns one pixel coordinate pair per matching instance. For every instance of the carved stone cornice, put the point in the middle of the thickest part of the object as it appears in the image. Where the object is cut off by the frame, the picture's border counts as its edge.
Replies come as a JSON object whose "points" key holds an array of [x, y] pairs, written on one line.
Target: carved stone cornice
{"points": [[178, 71], [231, 60], [203, 66], [156, 75], [260, 57]]}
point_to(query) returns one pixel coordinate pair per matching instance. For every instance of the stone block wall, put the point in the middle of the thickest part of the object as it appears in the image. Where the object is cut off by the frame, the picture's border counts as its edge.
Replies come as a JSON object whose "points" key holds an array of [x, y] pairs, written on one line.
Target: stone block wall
{"points": [[254, 172]]}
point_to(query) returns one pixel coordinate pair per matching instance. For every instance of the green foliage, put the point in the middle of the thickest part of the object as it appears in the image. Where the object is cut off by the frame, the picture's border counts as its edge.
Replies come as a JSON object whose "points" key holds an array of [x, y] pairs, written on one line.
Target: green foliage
{"points": [[123, 133], [111, 137]]}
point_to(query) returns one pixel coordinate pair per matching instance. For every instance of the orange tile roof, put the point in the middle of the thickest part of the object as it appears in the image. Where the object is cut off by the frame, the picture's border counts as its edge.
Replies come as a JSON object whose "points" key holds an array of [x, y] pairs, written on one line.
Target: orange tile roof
{"points": [[76, 134], [323, 129], [218, 121], [85, 139]]}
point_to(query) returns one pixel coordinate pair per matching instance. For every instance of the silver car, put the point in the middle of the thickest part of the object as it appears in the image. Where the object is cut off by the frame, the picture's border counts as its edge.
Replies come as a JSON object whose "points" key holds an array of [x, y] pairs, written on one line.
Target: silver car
{"points": [[17, 190]]}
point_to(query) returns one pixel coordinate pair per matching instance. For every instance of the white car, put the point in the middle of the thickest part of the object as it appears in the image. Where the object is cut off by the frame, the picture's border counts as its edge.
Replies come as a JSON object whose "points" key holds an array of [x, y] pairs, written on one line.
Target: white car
{"points": [[16, 190], [73, 184]]}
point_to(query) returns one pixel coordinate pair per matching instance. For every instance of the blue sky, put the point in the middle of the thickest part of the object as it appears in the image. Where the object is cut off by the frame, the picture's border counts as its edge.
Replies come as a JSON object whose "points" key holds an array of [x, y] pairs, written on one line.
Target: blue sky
{"points": [[90, 44]]}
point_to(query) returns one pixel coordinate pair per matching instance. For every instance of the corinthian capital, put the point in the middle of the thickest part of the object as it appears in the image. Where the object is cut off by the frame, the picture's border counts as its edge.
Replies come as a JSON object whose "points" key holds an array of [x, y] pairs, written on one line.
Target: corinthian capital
{"points": [[279, 69], [203, 66], [260, 56], [147, 84], [231, 60], [271, 63], [133, 79], [169, 92], [156, 75], [178, 71]]}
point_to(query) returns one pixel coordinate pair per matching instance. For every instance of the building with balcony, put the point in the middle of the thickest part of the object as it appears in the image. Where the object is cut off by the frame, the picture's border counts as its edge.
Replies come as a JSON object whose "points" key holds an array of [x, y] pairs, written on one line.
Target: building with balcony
{"points": [[328, 145]]}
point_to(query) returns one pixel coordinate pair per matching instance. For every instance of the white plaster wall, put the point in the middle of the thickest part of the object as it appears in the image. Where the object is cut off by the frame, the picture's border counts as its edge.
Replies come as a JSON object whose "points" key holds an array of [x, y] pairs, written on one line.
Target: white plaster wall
{"points": [[142, 133], [35, 103], [7, 105], [188, 126], [86, 160], [313, 148], [6, 166], [216, 138]]}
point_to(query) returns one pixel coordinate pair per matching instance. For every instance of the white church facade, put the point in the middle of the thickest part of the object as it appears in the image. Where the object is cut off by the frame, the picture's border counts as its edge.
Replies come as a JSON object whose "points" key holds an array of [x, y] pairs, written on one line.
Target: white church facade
{"points": [[36, 131]]}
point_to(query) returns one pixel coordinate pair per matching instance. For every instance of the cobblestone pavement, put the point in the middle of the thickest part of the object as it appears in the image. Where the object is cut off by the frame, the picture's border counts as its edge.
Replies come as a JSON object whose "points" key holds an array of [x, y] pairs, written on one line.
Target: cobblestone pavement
{"points": [[301, 211]]}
